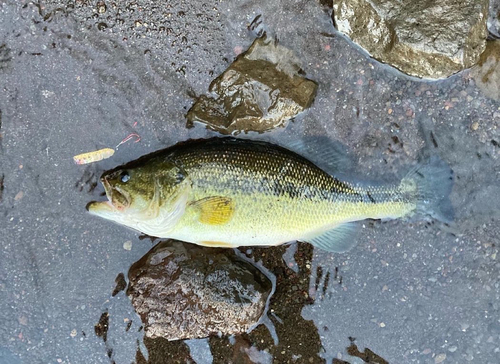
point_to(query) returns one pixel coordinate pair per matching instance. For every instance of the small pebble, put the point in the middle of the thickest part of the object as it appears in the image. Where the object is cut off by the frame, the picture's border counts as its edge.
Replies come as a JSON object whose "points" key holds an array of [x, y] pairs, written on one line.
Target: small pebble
{"points": [[439, 358], [101, 7], [452, 349], [237, 50], [426, 351], [23, 320], [127, 245], [475, 125], [73, 333]]}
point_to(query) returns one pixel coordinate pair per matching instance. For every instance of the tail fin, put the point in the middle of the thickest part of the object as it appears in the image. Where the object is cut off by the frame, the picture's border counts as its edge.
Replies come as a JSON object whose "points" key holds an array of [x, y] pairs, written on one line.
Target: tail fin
{"points": [[434, 182]]}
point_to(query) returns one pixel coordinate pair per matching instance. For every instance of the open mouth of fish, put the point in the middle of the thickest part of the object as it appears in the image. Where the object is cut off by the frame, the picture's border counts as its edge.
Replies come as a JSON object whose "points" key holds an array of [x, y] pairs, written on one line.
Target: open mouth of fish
{"points": [[118, 199]]}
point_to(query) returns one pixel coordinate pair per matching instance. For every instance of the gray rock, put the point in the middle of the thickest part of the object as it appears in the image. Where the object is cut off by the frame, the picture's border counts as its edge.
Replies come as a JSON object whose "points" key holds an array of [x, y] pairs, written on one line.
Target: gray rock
{"points": [[259, 91], [494, 18], [487, 72], [431, 39], [183, 291]]}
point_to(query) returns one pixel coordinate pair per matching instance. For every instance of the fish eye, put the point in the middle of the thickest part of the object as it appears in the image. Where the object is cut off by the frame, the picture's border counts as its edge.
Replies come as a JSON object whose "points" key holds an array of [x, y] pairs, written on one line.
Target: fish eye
{"points": [[124, 177], [179, 177]]}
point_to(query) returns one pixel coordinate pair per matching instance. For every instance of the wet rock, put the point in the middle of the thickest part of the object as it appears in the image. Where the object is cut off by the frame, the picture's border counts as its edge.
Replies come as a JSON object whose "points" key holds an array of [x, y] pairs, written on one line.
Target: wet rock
{"points": [[259, 91], [185, 291], [487, 72], [426, 39], [494, 19]]}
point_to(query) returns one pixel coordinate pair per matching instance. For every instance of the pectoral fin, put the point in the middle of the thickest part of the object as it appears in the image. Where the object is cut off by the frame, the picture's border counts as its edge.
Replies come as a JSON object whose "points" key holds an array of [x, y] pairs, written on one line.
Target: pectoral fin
{"points": [[338, 240], [215, 210]]}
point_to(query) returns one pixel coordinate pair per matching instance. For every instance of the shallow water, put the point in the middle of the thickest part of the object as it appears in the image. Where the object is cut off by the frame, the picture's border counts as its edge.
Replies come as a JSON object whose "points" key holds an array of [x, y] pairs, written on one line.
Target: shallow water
{"points": [[412, 292]]}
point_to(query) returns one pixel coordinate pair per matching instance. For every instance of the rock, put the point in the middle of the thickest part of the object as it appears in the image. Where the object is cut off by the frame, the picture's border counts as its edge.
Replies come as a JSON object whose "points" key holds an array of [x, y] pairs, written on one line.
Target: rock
{"points": [[183, 291], [439, 358], [259, 91], [494, 19], [431, 39], [487, 72]]}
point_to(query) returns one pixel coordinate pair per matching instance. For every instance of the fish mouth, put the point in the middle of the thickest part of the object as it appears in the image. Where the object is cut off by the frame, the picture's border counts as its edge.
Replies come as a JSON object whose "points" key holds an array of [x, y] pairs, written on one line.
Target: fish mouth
{"points": [[100, 208], [117, 197], [118, 200]]}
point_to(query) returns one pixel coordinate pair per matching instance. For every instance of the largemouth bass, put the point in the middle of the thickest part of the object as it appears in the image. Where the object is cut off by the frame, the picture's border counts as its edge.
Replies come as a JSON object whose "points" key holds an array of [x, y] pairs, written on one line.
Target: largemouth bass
{"points": [[226, 192]]}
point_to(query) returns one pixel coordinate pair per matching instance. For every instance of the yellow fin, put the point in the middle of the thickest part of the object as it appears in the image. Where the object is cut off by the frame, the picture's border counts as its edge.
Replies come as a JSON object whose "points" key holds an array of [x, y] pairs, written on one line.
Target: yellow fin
{"points": [[215, 210], [216, 244]]}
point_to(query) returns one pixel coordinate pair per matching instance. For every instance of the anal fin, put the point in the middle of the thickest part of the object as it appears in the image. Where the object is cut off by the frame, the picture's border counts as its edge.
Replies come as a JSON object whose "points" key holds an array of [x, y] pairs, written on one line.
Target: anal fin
{"points": [[337, 240]]}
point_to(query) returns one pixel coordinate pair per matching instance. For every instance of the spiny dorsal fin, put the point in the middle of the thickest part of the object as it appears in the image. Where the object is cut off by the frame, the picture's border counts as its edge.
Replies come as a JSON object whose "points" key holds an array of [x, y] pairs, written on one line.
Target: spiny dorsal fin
{"points": [[215, 210], [337, 240]]}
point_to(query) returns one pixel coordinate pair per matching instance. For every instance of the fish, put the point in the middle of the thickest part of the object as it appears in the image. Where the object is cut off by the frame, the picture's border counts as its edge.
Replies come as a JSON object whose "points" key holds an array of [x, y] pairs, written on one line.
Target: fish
{"points": [[227, 192]]}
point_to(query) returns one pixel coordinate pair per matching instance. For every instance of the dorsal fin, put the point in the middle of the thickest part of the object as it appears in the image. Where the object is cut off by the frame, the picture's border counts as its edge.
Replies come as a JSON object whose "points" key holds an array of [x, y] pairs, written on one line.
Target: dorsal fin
{"points": [[327, 154]]}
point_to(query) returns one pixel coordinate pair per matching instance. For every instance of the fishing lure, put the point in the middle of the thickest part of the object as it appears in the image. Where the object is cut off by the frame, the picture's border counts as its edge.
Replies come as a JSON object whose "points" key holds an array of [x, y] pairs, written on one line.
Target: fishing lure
{"points": [[95, 156]]}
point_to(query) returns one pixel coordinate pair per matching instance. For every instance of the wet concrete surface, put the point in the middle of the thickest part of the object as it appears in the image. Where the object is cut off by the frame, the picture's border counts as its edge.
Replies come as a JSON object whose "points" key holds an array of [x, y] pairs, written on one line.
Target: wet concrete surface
{"points": [[411, 292]]}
